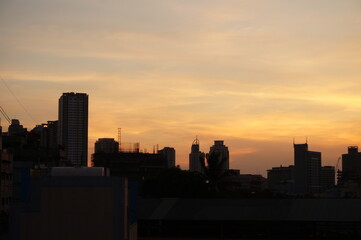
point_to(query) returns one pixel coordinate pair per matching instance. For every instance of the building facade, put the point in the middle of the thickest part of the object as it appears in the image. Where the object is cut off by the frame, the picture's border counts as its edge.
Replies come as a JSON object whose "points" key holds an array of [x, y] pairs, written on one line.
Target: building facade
{"points": [[78, 203], [49, 135], [327, 179], [73, 128], [307, 170], [6, 179], [133, 165]]}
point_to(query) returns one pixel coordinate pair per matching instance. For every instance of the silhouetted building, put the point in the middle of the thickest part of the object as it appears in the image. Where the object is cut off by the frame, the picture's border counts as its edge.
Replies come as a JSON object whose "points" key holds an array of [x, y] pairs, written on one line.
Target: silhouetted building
{"points": [[234, 181], [249, 218], [33, 138], [75, 203], [194, 157], [49, 135], [327, 177], [6, 181], [6, 177], [351, 165], [73, 127], [134, 166], [222, 151], [106, 145], [15, 129], [350, 189], [307, 170], [1, 137], [280, 179], [169, 154]]}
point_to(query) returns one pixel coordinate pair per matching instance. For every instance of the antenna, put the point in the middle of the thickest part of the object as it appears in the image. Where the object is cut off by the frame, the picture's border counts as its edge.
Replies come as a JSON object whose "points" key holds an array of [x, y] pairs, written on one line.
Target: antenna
{"points": [[196, 141]]}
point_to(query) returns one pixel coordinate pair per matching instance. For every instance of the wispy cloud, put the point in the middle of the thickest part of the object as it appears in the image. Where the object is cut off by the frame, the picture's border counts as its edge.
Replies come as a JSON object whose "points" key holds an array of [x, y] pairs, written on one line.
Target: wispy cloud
{"points": [[166, 71]]}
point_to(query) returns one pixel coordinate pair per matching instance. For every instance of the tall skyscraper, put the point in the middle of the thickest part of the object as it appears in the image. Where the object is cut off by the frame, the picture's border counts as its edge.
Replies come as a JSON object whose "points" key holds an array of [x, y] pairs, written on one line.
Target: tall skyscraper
{"points": [[307, 170], [194, 161], [73, 127], [222, 150]]}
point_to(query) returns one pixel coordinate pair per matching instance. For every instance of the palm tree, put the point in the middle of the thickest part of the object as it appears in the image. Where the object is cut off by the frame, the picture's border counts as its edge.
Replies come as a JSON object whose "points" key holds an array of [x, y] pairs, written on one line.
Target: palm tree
{"points": [[212, 171]]}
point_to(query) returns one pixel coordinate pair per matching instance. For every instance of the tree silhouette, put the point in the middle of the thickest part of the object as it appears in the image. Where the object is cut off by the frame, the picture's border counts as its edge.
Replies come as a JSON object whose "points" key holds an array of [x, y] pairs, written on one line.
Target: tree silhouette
{"points": [[212, 171]]}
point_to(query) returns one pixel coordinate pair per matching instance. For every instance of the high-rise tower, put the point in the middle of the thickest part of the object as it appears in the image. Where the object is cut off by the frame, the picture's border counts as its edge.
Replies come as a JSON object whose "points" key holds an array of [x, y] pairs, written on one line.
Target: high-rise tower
{"points": [[194, 161], [223, 153], [307, 170], [73, 127]]}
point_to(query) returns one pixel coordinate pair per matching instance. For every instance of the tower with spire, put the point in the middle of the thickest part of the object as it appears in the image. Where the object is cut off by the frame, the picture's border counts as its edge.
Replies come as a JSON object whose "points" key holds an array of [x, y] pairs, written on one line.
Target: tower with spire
{"points": [[194, 161]]}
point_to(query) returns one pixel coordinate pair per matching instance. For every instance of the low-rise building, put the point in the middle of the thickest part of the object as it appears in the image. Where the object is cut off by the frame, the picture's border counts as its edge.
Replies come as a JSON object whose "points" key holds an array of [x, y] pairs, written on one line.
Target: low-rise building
{"points": [[281, 179]]}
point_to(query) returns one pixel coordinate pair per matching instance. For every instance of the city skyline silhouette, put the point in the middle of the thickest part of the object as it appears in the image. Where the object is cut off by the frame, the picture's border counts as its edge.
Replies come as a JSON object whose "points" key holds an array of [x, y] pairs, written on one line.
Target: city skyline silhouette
{"points": [[256, 75], [172, 119]]}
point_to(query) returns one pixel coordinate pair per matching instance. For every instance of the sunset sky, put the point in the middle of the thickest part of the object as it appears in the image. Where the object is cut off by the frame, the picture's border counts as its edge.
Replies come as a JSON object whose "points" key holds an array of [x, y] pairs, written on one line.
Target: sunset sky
{"points": [[255, 74]]}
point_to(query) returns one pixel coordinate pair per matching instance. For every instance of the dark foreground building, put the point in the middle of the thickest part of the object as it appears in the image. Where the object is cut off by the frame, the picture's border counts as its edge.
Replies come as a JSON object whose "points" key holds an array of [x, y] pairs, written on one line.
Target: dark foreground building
{"points": [[250, 218], [133, 165], [76, 203]]}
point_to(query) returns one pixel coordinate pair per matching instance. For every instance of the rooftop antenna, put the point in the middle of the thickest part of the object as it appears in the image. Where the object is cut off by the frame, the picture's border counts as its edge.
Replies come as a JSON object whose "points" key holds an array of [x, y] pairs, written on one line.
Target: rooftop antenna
{"points": [[196, 141], [306, 140]]}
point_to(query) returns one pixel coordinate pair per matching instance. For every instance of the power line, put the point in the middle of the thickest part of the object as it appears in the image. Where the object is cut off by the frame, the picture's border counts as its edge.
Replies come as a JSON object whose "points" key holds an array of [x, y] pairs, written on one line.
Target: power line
{"points": [[5, 115], [17, 100]]}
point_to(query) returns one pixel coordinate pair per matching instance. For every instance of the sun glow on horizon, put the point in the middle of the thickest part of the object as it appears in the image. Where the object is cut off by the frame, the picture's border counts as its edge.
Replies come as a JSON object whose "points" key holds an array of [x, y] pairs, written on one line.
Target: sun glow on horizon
{"points": [[255, 74]]}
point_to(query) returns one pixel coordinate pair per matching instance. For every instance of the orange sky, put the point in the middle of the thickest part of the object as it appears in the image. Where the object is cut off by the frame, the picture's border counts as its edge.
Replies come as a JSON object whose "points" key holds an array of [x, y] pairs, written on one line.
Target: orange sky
{"points": [[253, 73]]}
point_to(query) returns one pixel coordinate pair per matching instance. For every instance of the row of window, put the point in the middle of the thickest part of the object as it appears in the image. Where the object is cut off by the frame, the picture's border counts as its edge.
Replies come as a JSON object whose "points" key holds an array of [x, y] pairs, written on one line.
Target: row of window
{"points": [[6, 176]]}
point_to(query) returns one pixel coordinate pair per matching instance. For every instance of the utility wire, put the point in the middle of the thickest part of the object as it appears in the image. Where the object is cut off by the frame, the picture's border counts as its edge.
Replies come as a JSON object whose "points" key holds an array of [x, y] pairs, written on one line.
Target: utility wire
{"points": [[17, 100], [5, 115]]}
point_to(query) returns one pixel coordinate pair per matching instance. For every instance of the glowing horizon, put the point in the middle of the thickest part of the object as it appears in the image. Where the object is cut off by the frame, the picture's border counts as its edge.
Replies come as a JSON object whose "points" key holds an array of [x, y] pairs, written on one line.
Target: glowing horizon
{"points": [[254, 74]]}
